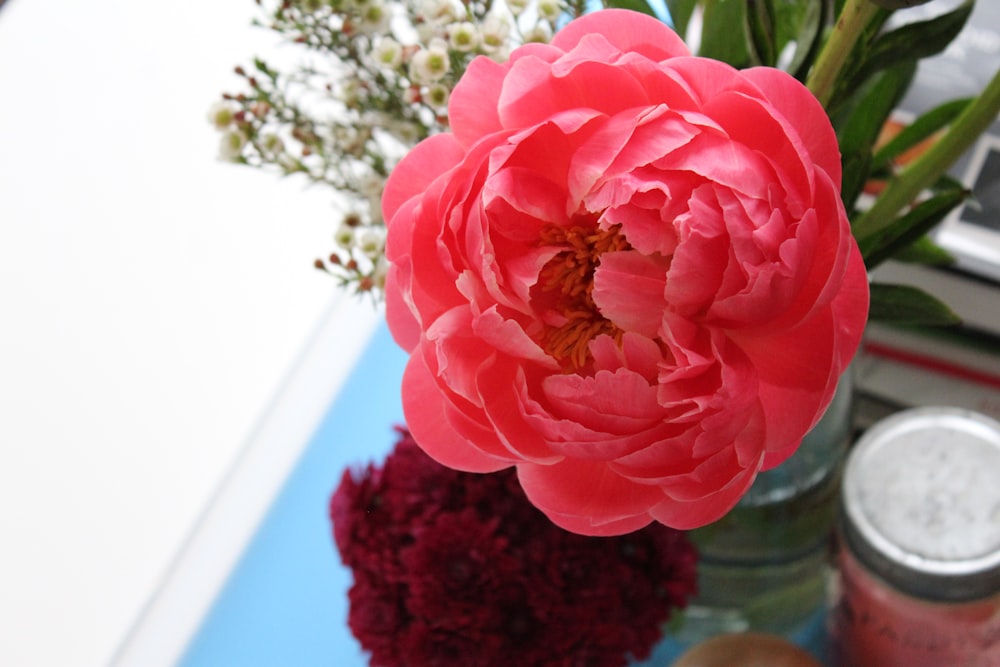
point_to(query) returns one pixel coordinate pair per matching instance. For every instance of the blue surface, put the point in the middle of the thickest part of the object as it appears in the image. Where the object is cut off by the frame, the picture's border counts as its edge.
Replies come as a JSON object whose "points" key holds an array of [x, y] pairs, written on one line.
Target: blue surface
{"points": [[286, 602]]}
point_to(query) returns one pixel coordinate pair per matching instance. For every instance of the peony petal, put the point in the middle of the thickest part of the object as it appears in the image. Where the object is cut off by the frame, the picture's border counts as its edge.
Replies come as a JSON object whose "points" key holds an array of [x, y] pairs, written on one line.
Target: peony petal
{"points": [[585, 525], [404, 327], [584, 489], [756, 124], [424, 410], [698, 512], [627, 31], [637, 353], [850, 307], [418, 169], [796, 381], [803, 112], [508, 410], [508, 337], [702, 256], [631, 139], [628, 290], [472, 105]]}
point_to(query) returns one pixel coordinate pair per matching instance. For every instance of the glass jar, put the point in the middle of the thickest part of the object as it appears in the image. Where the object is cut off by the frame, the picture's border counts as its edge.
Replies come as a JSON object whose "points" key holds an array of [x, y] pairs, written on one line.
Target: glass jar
{"points": [[919, 557]]}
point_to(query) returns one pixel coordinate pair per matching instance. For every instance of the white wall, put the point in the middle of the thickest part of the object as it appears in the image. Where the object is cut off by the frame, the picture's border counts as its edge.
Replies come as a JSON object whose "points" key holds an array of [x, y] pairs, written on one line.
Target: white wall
{"points": [[151, 299]]}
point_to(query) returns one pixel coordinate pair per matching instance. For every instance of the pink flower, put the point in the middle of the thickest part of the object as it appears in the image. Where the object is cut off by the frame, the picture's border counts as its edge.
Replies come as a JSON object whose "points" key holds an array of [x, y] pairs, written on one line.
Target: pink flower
{"points": [[626, 271]]}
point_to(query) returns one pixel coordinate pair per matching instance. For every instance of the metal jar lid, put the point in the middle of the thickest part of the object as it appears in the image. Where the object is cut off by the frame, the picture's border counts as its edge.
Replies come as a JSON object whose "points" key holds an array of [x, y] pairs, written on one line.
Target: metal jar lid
{"points": [[921, 502]]}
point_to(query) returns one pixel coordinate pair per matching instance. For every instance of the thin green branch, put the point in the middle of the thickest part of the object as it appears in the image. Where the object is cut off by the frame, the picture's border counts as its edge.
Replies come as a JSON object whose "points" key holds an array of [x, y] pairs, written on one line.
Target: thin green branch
{"points": [[850, 25]]}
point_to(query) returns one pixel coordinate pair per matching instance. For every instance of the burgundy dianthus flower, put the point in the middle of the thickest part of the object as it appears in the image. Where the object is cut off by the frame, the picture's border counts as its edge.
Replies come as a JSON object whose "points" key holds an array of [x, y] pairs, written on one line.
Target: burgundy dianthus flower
{"points": [[459, 568]]}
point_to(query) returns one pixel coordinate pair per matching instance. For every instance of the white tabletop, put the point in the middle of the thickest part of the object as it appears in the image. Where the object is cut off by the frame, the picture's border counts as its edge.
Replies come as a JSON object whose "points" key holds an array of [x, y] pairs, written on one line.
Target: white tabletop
{"points": [[152, 300]]}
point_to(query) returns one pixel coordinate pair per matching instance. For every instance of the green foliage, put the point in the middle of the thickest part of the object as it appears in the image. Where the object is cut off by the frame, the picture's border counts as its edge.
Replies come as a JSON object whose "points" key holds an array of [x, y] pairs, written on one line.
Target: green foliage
{"points": [[911, 226], [859, 125], [680, 14], [913, 41], [904, 304], [924, 251], [776, 33], [919, 130], [762, 37], [804, 24], [720, 38]]}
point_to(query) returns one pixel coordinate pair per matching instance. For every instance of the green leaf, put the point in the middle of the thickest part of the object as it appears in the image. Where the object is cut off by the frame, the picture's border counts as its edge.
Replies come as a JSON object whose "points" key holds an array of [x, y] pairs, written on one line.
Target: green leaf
{"points": [[720, 36], [914, 224], [761, 32], [635, 5], [920, 129], [861, 122], [947, 182], [809, 30], [680, 14], [856, 168], [925, 251], [913, 41], [905, 304]]}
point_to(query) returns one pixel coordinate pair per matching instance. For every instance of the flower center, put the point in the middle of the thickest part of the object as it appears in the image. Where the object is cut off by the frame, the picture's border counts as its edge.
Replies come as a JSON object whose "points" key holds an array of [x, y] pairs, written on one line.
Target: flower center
{"points": [[566, 284]]}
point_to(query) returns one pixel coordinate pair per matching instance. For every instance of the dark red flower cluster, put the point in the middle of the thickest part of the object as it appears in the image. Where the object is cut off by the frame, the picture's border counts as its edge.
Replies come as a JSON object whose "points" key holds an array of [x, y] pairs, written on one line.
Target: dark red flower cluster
{"points": [[454, 568]]}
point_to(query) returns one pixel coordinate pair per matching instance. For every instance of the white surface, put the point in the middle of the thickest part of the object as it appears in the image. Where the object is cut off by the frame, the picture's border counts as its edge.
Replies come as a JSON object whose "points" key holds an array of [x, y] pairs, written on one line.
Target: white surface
{"points": [[214, 548], [152, 300]]}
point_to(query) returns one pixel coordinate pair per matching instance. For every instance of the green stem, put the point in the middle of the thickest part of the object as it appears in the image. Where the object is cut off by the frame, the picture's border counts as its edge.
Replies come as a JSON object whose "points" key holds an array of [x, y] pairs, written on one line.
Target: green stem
{"points": [[851, 23], [925, 170]]}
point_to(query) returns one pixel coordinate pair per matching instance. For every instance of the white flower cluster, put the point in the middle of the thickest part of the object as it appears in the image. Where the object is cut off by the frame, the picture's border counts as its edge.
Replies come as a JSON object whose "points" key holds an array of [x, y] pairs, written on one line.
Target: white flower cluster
{"points": [[375, 79]]}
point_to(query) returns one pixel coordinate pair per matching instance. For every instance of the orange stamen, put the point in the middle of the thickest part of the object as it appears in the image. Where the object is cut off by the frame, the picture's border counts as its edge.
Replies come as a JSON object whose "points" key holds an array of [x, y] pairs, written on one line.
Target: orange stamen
{"points": [[569, 278]]}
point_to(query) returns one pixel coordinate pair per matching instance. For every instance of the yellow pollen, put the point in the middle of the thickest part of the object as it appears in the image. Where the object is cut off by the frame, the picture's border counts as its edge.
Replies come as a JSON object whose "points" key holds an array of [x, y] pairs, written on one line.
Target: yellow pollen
{"points": [[567, 282]]}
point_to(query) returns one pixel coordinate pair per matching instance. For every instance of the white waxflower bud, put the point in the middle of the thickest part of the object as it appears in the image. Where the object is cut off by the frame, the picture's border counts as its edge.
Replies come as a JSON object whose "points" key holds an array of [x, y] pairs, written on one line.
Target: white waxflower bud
{"points": [[388, 53], [429, 65], [550, 9], [517, 7], [440, 11], [494, 33], [231, 145], [371, 243], [374, 17], [344, 236], [437, 95], [271, 143], [463, 36], [221, 115]]}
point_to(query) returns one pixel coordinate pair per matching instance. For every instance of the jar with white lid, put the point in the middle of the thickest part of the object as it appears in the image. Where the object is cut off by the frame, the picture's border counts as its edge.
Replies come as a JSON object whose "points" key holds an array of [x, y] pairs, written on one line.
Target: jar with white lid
{"points": [[919, 557]]}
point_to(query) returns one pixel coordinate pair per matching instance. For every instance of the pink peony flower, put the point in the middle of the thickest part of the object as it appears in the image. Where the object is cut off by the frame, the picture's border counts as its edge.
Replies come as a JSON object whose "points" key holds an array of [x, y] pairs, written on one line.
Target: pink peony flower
{"points": [[626, 271]]}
